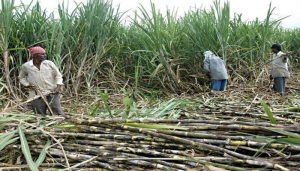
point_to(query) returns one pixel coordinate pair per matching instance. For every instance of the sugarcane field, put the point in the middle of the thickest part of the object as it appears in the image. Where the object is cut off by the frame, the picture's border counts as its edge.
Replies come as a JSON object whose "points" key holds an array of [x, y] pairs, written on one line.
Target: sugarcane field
{"points": [[87, 85]]}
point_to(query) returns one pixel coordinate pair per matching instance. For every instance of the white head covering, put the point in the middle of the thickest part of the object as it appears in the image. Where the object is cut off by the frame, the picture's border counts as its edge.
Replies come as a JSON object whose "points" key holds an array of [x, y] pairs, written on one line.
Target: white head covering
{"points": [[208, 54], [215, 66]]}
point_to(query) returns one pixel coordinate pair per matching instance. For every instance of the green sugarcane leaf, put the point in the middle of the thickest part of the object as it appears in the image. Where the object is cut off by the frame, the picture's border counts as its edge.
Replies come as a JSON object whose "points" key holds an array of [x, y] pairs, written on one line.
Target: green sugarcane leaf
{"points": [[105, 98], [42, 155], [294, 141], [6, 134], [260, 150], [127, 101], [155, 126], [8, 142], [95, 110], [7, 139], [26, 151], [262, 139], [103, 95], [269, 112], [283, 132], [294, 109]]}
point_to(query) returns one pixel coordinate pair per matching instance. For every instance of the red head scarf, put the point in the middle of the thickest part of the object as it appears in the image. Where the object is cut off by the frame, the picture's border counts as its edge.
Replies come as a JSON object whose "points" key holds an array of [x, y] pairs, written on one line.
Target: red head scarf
{"points": [[36, 49]]}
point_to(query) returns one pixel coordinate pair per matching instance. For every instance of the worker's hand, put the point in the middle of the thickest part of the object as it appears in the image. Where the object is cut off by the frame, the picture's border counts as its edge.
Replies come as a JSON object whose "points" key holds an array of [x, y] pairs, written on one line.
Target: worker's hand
{"points": [[59, 89]]}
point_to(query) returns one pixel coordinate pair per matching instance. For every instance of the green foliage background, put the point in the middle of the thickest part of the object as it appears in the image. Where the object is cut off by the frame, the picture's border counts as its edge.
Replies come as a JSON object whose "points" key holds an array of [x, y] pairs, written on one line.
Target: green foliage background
{"points": [[93, 48]]}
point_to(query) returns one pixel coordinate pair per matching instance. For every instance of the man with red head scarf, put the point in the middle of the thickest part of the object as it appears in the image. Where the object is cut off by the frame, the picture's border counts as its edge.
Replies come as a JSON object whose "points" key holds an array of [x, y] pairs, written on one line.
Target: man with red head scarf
{"points": [[41, 76]]}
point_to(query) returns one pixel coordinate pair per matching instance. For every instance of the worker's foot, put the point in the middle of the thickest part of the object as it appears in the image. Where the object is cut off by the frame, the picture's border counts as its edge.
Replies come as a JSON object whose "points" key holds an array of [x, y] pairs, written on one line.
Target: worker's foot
{"points": [[61, 118], [63, 115], [214, 92]]}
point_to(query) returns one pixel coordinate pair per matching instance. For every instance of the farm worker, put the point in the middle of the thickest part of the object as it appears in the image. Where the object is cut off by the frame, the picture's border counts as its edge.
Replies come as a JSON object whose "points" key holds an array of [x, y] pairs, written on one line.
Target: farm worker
{"points": [[214, 66], [279, 70], [41, 76]]}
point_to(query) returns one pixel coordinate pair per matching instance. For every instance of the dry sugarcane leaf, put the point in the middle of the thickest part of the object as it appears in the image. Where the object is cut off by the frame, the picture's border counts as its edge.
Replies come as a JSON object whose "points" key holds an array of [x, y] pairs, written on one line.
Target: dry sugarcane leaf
{"points": [[19, 161]]}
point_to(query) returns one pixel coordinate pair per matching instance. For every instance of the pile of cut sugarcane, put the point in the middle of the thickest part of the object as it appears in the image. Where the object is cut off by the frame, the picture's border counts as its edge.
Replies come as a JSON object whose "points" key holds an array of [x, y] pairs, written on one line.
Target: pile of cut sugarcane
{"points": [[221, 132], [146, 144]]}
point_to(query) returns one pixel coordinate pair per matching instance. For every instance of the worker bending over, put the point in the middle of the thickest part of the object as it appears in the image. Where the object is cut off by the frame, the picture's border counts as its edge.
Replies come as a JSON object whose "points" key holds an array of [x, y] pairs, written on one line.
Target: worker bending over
{"points": [[214, 66]]}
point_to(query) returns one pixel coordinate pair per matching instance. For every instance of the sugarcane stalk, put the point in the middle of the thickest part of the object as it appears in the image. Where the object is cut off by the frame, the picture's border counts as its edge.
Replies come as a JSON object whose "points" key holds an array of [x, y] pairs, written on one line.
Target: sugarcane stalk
{"points": [[98, 121], [128, 151], [196, 145], [148, 165], [79, 157], [7, 73], [112, 145], [201, 135], [131, 143], [249, 150], [163, 165], [81, 163], [249, 143], [104, 136], [290, 157], [200, 145]]}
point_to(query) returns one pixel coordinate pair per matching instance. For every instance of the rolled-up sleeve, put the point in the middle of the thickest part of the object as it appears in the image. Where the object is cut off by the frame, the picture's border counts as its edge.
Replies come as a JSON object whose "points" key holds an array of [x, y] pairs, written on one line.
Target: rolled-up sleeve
{"points": [[206, 65], [57, 75], [23, 76]]}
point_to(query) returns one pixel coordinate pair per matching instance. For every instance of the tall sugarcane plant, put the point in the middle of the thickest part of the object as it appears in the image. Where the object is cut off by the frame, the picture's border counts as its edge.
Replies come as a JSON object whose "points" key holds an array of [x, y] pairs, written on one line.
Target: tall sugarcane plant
{"points": [[88, 35], [159, 36], [6, 30], [93, 48]]}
